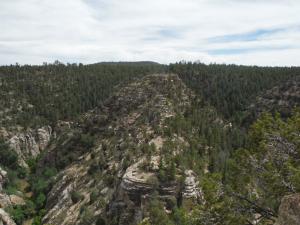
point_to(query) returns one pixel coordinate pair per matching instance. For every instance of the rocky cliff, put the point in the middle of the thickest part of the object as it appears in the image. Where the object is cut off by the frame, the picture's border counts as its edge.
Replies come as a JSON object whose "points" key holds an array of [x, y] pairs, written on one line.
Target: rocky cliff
{"points": [[30, 144]]}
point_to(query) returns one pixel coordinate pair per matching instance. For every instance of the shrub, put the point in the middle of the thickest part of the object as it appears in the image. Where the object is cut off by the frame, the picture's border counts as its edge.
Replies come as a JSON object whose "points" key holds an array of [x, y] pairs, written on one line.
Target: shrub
{"points": [[100, 221], [17, 214], [93, 168], [93, 197], [76, 196], [40, 200], [8, 157], [87, 140], [86, 217]]}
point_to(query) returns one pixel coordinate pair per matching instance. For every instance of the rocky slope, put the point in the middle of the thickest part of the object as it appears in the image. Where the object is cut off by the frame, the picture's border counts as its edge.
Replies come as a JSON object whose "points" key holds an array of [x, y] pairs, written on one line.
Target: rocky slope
{"points": [[115, 180], [283, 99]]}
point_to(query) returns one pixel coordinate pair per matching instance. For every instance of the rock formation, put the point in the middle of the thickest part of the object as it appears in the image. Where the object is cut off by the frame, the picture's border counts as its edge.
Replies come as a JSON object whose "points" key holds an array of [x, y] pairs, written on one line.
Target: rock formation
{"points": [[31, 143], [5, 218]]}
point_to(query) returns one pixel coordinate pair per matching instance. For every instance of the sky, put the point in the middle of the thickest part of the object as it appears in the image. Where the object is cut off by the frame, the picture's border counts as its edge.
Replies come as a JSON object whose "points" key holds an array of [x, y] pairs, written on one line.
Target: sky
{"points": [[247, 32]]}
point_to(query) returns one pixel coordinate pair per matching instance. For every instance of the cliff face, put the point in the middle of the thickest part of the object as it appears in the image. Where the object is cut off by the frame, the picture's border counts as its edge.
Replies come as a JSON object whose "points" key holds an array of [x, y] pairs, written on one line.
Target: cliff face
{"points": [[28, 144], [115, 180]]}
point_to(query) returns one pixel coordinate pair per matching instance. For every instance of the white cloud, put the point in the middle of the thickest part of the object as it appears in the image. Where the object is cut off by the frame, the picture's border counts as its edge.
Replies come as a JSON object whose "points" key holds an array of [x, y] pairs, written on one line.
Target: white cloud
{"points": [[160, 30]]}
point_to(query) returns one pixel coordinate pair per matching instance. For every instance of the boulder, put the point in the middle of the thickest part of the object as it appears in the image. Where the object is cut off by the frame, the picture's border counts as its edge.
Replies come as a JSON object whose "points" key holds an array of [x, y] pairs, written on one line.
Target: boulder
{"points": [[16, 200]]}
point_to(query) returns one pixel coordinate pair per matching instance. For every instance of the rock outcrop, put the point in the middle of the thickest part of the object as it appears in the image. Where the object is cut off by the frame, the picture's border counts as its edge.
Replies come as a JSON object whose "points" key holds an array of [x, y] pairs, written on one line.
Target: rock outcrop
{"points": [[3, 177], [289, 210], [5, 218], [191, 186], [31, 143], [4, 198]]}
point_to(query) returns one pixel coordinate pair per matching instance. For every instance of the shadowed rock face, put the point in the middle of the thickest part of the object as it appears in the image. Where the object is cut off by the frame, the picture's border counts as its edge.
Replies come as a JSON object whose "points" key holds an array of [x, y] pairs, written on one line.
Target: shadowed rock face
{"points": [[123, 124], [289, 210]]}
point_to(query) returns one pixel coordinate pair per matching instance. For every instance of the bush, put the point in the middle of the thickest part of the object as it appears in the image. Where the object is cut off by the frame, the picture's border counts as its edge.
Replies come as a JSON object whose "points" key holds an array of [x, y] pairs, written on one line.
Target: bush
{"points": [[93, 197], [93, 168], [100, 221], [32, 163], [76, 196], [87, 140], [86, 217], [109, 179], [17, 214], [40, 200], [8, 157]]}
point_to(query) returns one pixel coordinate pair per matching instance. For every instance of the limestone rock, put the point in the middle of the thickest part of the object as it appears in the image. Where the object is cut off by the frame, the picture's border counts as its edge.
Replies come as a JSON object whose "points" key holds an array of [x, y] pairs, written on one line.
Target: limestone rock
{"points": [[191, 189], [5, 218], [3, 177], [135, 181], [31, 143], [16, 200], [4, 200]]}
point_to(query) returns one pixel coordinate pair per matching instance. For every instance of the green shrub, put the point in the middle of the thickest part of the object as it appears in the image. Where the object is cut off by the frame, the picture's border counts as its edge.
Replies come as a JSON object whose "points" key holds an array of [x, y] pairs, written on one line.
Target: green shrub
{"points": [[76, 196], [93, 197], [93, 168], [40, 200], [86, 217], [100, 221], [32, 163], [109, 179], [17, 213], [8, 157], [87, 140]]}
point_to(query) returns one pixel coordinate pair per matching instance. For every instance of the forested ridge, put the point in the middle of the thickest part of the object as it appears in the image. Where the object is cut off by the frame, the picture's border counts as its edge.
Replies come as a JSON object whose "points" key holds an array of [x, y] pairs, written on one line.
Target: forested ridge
{"points": [[145, 143], [36, 95], [231, 88]]}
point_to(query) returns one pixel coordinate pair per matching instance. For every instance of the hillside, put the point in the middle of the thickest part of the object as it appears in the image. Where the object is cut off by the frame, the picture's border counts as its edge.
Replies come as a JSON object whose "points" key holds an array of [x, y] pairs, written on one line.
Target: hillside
{"points": [[282, 98], [154, 149]]}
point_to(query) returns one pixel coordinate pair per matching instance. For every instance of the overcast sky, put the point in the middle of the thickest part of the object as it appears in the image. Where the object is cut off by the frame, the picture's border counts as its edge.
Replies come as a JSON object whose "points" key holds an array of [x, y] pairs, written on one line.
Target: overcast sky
{"points": [[252, 32]]}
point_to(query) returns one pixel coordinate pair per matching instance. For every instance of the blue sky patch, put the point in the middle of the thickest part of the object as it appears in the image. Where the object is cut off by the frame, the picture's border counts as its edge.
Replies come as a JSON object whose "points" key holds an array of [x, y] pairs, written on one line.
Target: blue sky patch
{"points": [[244, 37]]}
